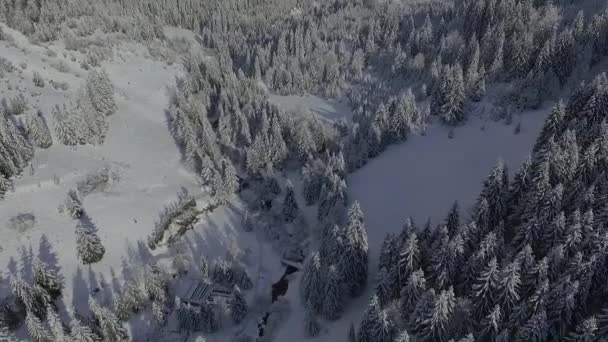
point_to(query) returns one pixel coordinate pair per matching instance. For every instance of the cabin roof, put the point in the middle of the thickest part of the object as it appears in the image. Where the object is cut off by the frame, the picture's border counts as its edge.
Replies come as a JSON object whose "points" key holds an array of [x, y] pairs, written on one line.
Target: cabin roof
{"points": [[199, 291]]}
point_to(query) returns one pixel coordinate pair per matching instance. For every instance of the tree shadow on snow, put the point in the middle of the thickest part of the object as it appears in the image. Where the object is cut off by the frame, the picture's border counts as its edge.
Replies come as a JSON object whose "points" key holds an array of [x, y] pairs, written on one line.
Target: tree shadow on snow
{"points": [[80, 293]]}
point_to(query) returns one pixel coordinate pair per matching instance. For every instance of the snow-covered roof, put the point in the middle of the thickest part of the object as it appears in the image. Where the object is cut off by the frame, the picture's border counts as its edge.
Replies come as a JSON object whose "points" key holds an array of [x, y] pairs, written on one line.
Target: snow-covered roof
{"points": [[200, 291]]}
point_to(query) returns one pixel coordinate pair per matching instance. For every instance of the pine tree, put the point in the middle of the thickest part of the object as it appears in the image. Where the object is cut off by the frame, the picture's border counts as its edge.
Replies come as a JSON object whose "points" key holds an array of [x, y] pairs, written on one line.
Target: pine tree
{"points": [[370, 324], [101, 92], [411, 293], [47, 278], [36, 329], [485, 290], [38, 131], [238, 306], [453, 219], [437, 321], [586, 331], [333, 302], [88, 245], [54, 322], [111, 327], [403, 337], [312, 285], [82, 332], [355, 256], [383, 287], [290, 206], [491, 325], [312, 327]]}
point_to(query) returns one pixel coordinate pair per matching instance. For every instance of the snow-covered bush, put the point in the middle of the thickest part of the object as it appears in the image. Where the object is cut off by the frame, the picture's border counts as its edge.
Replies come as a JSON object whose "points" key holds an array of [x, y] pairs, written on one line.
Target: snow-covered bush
{"points": [[22, 222], [38, 80], [17, 105], [73, 205], [96, 181]]}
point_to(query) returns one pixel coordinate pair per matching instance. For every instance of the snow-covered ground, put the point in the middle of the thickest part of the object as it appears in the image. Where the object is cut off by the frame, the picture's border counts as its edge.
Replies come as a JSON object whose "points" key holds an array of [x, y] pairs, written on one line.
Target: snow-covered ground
{"points": [[421, 178], [141, 151], [328, 109]]}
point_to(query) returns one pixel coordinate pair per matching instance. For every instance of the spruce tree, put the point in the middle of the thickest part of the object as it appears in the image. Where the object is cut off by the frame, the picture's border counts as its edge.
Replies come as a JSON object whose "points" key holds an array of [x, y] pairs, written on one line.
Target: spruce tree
{"points": [[312, 285], [47, 278], [333, 302], [238, 306], [82, 332], [290, 206], [110, 326], [38, 131], [101, 92], [88, 245], [36, 328], [312, 327], [355, 256]]}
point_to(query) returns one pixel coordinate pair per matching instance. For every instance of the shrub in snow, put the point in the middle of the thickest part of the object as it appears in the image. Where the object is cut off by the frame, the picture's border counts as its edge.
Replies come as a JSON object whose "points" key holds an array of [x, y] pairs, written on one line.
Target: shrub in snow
{"points": [[57, 85], [37, 130], [95, 181], [16, 105], [38, 80], [22, 222]]}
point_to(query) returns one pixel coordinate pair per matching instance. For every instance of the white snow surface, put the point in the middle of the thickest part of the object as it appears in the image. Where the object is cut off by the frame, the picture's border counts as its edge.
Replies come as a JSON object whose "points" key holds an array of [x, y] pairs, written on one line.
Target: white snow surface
{"points": [[140, 149], [422, 178]]}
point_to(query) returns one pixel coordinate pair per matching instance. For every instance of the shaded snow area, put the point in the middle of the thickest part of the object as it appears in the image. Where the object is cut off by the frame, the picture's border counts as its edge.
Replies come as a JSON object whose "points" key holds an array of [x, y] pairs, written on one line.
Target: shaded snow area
{"points": [[421, 178], [147, 174], [329, 110]]}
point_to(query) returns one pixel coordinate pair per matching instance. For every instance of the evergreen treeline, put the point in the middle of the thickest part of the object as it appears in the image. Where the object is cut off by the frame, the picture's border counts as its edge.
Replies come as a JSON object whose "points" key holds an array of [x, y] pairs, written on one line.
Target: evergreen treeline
{"points": [[529, 265]]}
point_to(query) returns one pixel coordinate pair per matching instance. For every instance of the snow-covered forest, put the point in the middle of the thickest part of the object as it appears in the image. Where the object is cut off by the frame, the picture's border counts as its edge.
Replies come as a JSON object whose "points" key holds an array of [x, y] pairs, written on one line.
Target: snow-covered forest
{"points": [[275, 170]]}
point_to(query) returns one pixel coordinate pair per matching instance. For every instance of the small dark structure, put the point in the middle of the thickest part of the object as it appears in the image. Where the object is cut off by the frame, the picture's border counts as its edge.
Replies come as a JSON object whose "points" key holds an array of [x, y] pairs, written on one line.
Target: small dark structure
{"points": [[198, 292]]}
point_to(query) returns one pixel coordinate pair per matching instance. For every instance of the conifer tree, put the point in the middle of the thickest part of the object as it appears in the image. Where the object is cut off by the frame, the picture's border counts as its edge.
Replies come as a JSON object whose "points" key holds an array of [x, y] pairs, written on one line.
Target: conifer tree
{"points": [[290, 206], [370, 324], [110, 326], [47, 278], [333, 301], [36, 329], [312, 285], [312, 327], [88, 245], [82, 332], [101, 92], [355, 256], [38, 131], [238, 306]]}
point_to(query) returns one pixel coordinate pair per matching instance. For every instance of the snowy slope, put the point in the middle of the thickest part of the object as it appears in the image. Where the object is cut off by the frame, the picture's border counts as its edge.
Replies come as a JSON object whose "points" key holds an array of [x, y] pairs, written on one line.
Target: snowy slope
{"points": [[141, 151], [421, 178]]}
